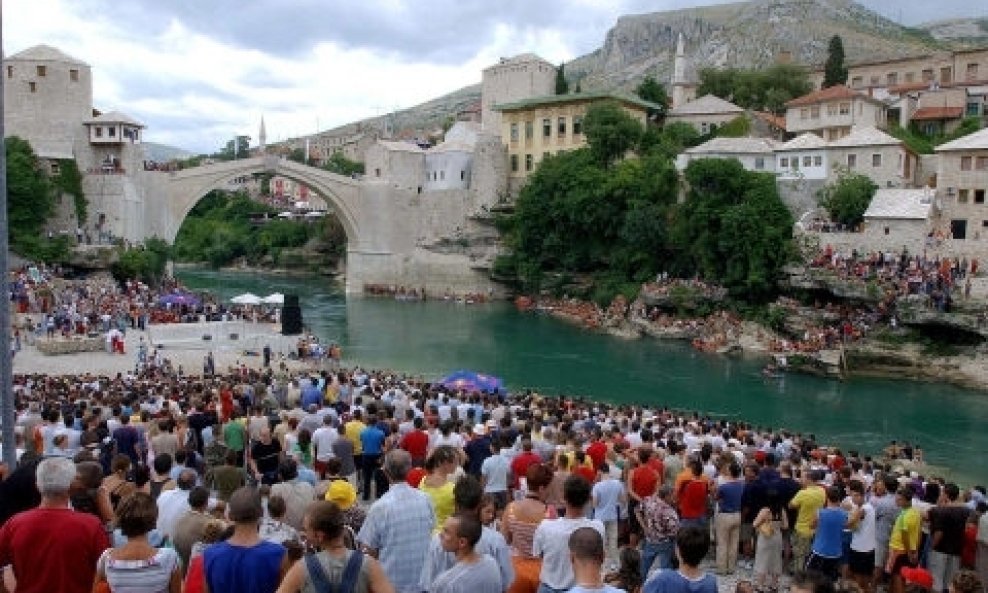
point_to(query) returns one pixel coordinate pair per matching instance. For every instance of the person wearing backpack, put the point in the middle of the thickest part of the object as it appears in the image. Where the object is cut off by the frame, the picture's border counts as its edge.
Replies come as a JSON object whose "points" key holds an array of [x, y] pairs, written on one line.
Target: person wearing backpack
{"points": [[334, 568]]}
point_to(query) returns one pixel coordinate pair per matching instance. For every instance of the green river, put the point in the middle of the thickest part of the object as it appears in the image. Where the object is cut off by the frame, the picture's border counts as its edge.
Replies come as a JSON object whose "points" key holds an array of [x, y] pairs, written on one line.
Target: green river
{"points": [[533, 351]]}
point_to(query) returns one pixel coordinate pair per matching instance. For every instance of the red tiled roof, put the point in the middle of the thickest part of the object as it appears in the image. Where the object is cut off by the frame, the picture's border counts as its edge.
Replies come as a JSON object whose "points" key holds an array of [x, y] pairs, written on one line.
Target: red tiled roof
{"points": [[772, 119], [927, 113], [898, 89], [828, 94]]}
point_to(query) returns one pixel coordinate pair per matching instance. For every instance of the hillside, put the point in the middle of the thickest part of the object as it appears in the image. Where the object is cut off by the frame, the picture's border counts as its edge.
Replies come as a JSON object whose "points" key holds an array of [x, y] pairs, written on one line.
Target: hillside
{"points": [[972, 32], [745, 34]]}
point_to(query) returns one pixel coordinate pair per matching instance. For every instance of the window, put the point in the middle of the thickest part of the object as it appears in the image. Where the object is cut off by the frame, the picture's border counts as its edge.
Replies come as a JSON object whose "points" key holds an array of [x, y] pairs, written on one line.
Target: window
{"points": [[815, 112], [958, 229], [795, 163], [876, 160], [514, 132], [852, 161], [807, 161], [845, 108], [945, 75], [442, 176], [857, 82], [973, 110], [561, 127], [32, 86], [981, 163], [546, 128], [111, 131], [784, 163], [984, 224], [818, 161], [886, 230], [74, 75], [463, 175], [831, 109], [528, 162], [514, 163], [892, 78], [704, 128], [377, 172], [55, 167], [962, 196], [577, 126], [99, 131], [42, 71], [804, 113], [910, 76], [927, 75], [529, 130], [10, 71], [972, 71], [546, 155], [759, 163], [966, 163], [979, 196]]}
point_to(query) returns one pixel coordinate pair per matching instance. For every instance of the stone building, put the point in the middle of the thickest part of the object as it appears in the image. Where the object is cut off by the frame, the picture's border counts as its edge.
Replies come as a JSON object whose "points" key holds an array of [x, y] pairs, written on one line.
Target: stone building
{"points": [[536, 128], [802, 158], [830, 113], [942, 68], [754, 154], [897, 214], [875, 154], [449, 165], [706, 114], [47, 95], [962, 185], [510, 80]]}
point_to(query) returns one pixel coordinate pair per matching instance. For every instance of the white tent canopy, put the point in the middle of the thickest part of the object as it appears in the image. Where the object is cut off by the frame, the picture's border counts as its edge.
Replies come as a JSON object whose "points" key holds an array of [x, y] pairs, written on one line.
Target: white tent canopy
{"points": [[275, 298], [246, 299]]}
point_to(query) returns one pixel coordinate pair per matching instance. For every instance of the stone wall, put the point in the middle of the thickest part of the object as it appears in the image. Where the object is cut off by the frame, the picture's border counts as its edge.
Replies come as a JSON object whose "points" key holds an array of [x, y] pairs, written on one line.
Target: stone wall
{"points": [[74, 345], [800, 195]]}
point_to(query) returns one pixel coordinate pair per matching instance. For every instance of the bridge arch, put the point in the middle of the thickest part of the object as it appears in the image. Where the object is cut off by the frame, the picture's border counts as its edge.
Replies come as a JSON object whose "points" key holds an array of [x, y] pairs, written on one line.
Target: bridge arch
{"points": [[188, 187]]}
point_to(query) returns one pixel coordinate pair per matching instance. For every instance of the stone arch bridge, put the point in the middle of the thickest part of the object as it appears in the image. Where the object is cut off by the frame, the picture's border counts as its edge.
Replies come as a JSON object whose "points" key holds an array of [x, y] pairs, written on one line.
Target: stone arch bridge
{"points": [[389, 228]]}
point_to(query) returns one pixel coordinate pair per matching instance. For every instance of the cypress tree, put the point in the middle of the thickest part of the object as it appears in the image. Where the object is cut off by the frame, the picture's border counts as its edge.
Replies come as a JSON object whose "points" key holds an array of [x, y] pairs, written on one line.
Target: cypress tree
{"points": [[562, 87], [835, 71]]}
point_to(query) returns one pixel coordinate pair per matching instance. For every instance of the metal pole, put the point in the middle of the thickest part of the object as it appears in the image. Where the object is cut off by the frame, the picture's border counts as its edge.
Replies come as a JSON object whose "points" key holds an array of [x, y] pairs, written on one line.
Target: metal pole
{"points": [[6, 376]]}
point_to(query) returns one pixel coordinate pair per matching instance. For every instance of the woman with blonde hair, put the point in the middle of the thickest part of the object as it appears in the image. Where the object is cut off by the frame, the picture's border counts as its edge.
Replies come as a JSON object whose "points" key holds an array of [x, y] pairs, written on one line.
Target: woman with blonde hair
{"points": [[440, 464]]}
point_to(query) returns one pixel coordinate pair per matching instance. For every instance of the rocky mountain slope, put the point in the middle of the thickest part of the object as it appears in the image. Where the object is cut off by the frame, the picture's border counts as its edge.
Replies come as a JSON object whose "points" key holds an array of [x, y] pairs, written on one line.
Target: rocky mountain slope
{"points": [[745, 34], [964, 31]]}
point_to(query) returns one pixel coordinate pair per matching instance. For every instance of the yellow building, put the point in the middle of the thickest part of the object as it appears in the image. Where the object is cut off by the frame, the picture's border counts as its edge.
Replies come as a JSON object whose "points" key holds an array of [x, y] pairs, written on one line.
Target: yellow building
{"points": [[542, 126]]}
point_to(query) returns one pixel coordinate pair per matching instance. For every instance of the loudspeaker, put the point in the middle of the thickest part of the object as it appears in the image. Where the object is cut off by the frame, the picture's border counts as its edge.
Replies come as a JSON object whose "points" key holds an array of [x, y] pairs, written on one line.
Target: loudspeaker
{"points": [[291, 316]]}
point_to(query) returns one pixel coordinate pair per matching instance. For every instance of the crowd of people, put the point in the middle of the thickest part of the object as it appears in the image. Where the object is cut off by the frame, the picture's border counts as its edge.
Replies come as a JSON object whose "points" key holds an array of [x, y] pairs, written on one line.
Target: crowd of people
{"points": [[350, 480]]}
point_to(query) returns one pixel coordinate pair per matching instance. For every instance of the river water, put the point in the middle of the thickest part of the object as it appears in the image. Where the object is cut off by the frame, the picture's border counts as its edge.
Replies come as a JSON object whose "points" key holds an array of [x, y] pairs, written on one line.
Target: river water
{"points": [[533, 351]]}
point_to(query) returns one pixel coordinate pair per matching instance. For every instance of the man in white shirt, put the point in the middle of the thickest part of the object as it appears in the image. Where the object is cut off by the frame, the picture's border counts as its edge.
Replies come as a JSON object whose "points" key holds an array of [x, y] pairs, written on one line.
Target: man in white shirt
{"points": [[551, 539], [494, 473], [173, 504], [322, 441], [608, 496]]}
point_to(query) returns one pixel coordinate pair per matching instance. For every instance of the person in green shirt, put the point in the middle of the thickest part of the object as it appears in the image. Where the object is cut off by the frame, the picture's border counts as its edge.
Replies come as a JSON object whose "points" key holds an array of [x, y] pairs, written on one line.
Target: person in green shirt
{"points": [[235, 436], [807, 502]]}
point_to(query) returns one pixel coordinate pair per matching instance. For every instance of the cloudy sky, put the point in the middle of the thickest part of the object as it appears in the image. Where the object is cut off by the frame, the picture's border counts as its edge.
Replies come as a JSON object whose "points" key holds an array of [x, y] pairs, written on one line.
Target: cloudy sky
{"points": [[199, 71]]}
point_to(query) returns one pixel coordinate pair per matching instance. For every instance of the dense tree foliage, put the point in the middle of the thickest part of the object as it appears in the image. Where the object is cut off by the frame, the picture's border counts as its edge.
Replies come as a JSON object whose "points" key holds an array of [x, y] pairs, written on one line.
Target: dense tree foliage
{"points": [[145, 262], [31, 199], [767, 89], [835, 70], [652, 90], [847, 198], [610, 132], [562, 85], [69, 181], [614, 222], [922, 143], [339, 164], [218, 231]]}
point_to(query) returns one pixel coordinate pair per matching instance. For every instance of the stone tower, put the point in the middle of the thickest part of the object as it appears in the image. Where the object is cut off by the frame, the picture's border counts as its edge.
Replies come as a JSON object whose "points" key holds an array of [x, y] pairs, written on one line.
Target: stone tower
{"points": [[679, 75], [47, 95], [262, 136], [513, 79]]}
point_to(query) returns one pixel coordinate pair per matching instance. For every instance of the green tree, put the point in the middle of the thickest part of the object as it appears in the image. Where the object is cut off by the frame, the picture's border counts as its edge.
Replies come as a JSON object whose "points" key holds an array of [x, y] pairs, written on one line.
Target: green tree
{"points": [[835, 71], [69, 181], [145, 262], [297, 155], [562, 85], [651, 90], [732, 229], [610, 132], [847, 199], [738, 127], [766, 89], [339, 164], [30, 196]]}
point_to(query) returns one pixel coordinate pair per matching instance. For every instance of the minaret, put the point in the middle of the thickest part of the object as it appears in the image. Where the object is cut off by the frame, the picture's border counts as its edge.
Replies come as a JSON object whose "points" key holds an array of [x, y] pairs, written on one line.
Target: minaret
{"points": [[679, 74], [262, 136]]}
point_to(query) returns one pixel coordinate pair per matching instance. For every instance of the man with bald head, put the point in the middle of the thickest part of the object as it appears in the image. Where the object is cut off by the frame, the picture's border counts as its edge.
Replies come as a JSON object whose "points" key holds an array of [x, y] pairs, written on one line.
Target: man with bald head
{"points": [[265, 456]]}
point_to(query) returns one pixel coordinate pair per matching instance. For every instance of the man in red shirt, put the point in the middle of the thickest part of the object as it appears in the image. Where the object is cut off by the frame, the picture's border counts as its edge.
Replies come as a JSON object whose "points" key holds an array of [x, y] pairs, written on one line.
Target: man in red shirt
{"points": [[52, 547], [416, 442], [597, 450], [521, 463]]}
